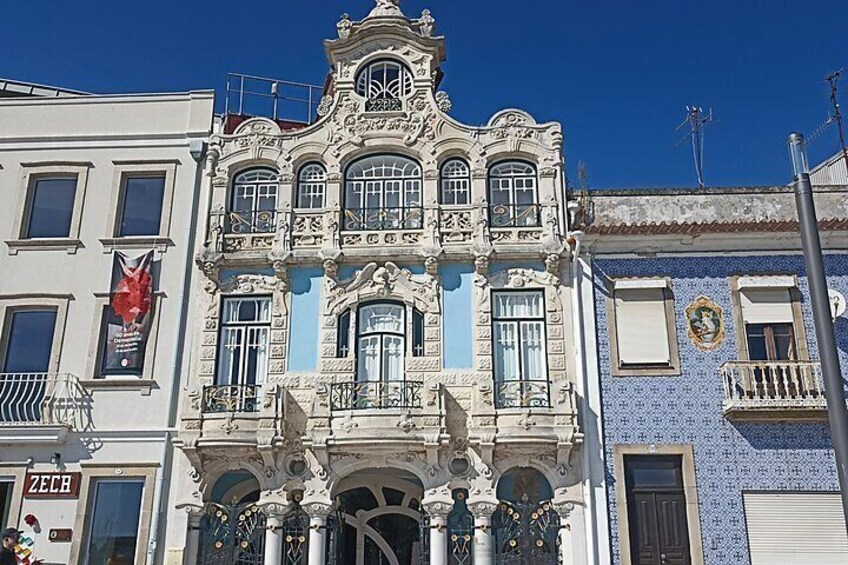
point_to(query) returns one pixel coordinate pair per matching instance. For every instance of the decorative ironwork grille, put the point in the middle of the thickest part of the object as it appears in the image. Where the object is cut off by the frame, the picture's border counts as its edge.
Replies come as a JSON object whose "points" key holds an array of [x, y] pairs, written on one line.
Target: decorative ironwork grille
{"points": [[377, 394], [460, 531], [230, 398], [526, 533], [384, 218], [232, 535], [296, 538], [260, 221], [522, 394]]}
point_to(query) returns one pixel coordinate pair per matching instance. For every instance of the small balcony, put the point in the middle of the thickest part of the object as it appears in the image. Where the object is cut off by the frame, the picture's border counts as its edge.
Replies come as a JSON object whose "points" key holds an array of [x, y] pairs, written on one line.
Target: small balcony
{"points": [[773, 390], [249, 230], [40, 407], [221, 399], [522, 394], [385, 218], [405, 395]]}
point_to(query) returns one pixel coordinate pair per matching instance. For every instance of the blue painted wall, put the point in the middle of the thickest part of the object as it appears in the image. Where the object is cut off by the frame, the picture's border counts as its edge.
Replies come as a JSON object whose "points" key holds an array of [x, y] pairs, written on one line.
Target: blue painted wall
{"points": [[305, 318], [458, 282], [729, 457]]}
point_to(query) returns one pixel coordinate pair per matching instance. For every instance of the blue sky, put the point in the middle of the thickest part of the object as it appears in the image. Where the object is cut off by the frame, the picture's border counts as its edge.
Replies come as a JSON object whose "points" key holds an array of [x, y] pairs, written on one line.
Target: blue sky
{"points": [[616, 74]]}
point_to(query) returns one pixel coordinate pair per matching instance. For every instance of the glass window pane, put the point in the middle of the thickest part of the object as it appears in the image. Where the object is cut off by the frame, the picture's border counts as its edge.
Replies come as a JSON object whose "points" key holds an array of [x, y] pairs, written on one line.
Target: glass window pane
{"points": [[113, 530], [52, 207], [368, 358], [518, 305], [533, 351], [381, 318], [506, 351], [393, 358], [142, 206], [29, 341]]}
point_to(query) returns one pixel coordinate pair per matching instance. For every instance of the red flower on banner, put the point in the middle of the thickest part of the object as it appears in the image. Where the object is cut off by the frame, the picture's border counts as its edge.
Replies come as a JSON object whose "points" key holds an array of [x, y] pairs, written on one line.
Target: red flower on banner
{"points": [[132, 298], [30, 520]]}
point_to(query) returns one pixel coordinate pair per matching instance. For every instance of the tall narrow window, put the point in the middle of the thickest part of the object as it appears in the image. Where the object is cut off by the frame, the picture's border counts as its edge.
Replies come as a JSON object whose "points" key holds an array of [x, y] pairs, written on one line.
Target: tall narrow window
{"points": [[26, 360], [417, 333], [769, 324], [456, 182], [311, 186], [513, 198], [254, 202], [114, 521], [51, 207], [381, 342], [245, 336], [521, 372], [343, 337], [141, 205], [382, 193]]}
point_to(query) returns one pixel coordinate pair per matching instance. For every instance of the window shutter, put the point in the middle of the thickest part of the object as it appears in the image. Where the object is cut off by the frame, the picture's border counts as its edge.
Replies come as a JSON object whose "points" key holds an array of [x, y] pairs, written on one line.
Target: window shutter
{"points": [[641, 327], [764, 306]]}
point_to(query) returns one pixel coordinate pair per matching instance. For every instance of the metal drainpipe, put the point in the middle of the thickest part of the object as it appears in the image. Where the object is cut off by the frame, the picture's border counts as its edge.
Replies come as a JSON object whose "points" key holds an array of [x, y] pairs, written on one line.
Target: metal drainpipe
{"points": [[165, 462]]}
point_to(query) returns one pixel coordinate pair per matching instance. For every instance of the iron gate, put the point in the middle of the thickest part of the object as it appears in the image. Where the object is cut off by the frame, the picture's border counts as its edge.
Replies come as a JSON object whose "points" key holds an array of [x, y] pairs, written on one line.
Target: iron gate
{"points": [[295, 537], [526, 533], [232, 535]]}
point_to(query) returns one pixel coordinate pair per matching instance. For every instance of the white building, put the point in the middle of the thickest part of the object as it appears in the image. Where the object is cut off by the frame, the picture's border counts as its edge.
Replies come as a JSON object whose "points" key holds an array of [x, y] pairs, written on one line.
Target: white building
{"points": [[84, 442]]}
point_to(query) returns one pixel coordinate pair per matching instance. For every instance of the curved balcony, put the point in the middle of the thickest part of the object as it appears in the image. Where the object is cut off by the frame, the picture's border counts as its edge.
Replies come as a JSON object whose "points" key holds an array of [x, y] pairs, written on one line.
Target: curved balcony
{"points": [[523, 394], [41, 407], [219, 399], [379, 395]]}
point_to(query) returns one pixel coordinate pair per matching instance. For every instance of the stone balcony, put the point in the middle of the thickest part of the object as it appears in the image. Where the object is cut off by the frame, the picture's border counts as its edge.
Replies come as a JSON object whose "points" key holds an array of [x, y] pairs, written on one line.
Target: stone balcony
{"points": [[773, 390], [41, 408]]}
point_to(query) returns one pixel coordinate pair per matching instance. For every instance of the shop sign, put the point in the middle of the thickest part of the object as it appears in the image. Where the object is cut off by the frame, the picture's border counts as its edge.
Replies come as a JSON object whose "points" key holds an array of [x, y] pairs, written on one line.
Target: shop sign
{"points": [[52, 485], [61, 534]]}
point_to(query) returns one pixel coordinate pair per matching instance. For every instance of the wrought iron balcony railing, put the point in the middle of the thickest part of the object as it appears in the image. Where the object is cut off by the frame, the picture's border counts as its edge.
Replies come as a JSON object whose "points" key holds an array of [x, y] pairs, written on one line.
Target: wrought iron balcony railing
{"points": [[522, 394], [260, 221], [378, 394], [218, 399], [40, 399], [514, 215], [395, 218], [773, 385]]}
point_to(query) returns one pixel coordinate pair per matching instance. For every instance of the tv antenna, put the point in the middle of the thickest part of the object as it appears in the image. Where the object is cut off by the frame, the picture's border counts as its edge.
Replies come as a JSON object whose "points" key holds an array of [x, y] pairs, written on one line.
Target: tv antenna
{"points": [[836, 117], [696, 119]]}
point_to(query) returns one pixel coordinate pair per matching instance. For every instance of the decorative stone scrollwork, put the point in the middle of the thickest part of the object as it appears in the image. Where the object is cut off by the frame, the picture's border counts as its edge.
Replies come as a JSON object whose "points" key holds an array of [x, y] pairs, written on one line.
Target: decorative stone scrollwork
{"points": [[385, 281], [343, 27], [317, 509], [443, 101]]}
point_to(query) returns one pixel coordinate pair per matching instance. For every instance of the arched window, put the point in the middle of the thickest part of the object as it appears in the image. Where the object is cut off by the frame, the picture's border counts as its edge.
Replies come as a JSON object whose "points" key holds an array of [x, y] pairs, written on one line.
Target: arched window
{"points": [[383, 192], [383, 84], [381, 342], [311, 186], [253, 206], [456, 182], [513, 196]]}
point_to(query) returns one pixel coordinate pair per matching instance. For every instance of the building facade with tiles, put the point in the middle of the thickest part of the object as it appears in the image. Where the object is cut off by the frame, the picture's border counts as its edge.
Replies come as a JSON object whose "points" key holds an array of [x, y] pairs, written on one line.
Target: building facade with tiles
{"points": [[716, 443], [383, 364]]}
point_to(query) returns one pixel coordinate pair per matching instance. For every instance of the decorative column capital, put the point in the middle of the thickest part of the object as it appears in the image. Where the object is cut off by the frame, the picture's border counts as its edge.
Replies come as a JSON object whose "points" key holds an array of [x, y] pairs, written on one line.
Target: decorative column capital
{"points": [[320, 510], [437, 508], [563, 508], [482, 508]]}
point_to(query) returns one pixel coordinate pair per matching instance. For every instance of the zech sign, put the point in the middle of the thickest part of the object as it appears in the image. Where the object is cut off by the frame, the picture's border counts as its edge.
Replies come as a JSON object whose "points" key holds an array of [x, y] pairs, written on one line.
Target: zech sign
{"points": [[52, 485]]}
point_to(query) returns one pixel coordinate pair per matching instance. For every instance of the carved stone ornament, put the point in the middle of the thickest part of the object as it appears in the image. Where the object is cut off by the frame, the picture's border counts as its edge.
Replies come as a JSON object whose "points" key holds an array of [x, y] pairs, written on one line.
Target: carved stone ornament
{"points": [[257, 133], [443, 102], [387, 281], [386, 8], [253, 284], [343, 28], [705, 324], [325, 105], [426, 23], [317, 509]]}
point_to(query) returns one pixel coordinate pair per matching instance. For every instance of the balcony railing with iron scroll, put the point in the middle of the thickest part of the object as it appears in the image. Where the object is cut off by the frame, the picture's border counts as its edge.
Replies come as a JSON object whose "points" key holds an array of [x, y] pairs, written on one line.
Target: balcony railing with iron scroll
{"points": [[514, 215], [34, 399], [384, 218], [773, 385], [260, 221], [219, 399], [378, 394], [522, 394]]}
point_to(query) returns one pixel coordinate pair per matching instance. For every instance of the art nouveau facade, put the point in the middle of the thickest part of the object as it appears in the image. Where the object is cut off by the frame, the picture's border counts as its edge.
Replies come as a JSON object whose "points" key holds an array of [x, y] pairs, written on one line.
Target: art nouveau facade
{"points": [[383, 364], [84, 446]]}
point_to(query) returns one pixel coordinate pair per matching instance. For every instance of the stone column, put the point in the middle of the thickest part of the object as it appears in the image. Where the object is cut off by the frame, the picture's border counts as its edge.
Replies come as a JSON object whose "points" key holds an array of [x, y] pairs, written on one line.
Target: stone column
{"points": [[566, 542], [484, 547], [438, 511], [318, 512], [273, 538], [192, 546]]}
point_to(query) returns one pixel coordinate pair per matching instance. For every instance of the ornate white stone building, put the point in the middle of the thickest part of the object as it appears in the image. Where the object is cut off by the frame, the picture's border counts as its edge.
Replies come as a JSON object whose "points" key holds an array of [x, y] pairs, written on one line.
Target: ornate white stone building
{"points": [[383, 368]]}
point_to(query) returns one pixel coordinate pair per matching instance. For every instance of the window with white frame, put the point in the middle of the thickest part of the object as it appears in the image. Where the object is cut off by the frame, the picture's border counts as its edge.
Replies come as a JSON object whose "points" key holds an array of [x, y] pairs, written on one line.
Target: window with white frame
{"points": [[381, 342], [456, 182], [518, 332], [244, 341], [311, 186], [513, 195], [769, 320], [383, 84], [383, 192], [642, 324], [253, 207]]}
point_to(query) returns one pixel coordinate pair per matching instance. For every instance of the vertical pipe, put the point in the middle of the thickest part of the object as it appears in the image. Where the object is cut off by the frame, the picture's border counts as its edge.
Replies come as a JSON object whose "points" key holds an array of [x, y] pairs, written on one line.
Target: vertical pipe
{"points": [[822, 316]]}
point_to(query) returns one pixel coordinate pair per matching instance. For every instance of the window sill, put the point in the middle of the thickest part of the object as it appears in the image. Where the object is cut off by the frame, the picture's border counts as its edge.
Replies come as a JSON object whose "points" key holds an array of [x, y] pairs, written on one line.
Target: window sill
{"points": [[161, 244], [646, 371], [144, 386], [44, 244]]}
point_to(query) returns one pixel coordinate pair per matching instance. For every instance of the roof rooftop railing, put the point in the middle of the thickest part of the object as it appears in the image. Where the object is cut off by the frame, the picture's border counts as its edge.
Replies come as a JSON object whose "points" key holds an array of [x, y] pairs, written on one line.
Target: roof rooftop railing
{"points": [[280, 100]]}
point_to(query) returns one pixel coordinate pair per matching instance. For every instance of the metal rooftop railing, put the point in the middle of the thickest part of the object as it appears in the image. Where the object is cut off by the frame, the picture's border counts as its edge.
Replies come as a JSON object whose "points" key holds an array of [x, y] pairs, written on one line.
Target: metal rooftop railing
{"points": [[280, 100]]}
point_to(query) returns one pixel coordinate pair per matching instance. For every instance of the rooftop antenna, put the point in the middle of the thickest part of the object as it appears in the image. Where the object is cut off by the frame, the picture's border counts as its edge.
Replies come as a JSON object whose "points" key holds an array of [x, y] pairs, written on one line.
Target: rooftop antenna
{"points": [[697, 119], [833, 79]]}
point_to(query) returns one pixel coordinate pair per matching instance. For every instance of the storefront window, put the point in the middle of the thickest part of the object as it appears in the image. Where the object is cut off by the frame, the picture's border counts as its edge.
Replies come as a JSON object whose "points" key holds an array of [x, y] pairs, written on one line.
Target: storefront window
{"points": [[113, 529]]}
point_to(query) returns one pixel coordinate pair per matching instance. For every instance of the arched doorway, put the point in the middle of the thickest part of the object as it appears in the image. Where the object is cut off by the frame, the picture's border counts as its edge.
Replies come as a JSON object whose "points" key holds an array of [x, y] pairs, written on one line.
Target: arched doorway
{"points": [[525, 525], [380, 518], [232, 530]]}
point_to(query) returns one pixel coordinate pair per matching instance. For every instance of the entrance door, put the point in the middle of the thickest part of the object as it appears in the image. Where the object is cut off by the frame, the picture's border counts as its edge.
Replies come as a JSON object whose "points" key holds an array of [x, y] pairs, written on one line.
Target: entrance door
{"points": [[656, 509]]}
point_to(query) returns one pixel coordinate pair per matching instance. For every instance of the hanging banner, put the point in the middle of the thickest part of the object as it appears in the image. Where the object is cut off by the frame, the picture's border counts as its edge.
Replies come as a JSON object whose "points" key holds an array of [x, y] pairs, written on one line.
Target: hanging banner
{"points": [[126, 321]]}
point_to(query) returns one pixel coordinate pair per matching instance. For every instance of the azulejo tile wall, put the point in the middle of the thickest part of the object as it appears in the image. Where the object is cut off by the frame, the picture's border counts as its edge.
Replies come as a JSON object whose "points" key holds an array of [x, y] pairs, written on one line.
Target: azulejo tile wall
{"points": [[729, 457]]}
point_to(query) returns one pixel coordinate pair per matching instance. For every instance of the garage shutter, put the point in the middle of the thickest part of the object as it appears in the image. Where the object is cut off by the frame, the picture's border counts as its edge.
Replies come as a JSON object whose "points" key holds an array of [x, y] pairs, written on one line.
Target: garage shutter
{"points": [[796, 529]]}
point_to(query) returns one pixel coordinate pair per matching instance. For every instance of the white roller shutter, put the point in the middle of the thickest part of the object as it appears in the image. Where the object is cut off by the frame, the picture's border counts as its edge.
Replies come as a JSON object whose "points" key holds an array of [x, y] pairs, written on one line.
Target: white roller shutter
{"points": [[766, 306], [641, 326], [796, 529]]}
